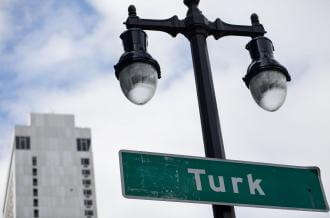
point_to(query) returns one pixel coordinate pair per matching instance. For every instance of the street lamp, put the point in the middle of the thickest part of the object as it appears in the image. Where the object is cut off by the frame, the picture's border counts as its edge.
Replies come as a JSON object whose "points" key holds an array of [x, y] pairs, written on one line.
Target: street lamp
{"points": [[138, 71], [266, 78]]}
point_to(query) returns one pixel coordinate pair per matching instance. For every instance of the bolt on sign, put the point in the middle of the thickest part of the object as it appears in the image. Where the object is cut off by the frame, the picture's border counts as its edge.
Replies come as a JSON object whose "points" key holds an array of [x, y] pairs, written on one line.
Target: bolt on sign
{"points": [[168, 177]]}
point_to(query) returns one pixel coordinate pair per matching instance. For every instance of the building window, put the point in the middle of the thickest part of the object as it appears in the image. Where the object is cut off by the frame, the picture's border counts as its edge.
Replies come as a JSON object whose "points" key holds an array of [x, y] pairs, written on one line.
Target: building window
{"points": [[87, 192], [83, 144], [88, 213], [35, 181], [86, 182], [85, 161], [35, 192], [88, 203], [35, 213], [22, 142], [34, 161], [86, 172], [34, 171], [35, 202]]}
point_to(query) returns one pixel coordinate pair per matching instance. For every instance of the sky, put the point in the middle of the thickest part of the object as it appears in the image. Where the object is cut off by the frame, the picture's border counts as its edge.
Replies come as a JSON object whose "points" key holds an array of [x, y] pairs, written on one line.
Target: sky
{"points": [[57, 56]]}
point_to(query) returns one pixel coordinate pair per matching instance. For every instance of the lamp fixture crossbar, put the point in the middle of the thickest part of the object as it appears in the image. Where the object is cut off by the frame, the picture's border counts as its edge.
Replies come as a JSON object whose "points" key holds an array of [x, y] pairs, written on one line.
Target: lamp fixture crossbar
{"points": [[195, 22]]}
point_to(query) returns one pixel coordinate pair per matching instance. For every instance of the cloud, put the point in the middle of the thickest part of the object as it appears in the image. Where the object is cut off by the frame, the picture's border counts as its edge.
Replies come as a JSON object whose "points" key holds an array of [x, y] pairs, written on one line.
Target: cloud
{"points": [[64, 64], [2, 23], [4, 27]]}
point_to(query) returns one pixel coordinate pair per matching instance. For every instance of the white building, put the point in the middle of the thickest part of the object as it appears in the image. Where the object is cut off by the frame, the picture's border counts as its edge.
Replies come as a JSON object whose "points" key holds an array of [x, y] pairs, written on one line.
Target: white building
{"points": [[51, 171]]}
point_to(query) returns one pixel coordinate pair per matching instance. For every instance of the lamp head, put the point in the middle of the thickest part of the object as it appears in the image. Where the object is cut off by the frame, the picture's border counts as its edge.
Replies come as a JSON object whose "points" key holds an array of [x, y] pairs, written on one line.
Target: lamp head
{"points": [[136, 70], [266, 78]]}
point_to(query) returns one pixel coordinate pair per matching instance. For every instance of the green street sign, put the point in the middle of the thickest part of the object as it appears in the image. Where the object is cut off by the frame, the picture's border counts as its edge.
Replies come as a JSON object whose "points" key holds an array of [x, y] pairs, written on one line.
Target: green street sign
{"points": [[225, 182]]}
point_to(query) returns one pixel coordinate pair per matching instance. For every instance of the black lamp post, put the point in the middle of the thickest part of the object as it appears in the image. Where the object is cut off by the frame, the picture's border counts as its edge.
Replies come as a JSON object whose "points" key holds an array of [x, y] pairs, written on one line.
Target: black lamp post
{"points": [[138, 71]]}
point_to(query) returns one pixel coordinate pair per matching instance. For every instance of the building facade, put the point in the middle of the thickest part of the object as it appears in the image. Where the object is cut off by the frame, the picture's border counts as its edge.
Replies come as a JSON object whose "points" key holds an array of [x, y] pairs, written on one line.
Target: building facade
{"points": [[51, 172]]}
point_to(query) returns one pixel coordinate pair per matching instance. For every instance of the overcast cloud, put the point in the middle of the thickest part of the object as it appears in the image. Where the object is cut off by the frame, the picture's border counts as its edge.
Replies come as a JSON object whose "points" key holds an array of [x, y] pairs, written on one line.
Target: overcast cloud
{"points": [[58, 56]]}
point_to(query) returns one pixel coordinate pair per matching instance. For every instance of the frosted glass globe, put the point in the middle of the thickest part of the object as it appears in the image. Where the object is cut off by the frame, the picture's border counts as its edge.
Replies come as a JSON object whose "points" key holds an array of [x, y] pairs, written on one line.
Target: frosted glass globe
{"points": [[268, 89], [138, 81]]}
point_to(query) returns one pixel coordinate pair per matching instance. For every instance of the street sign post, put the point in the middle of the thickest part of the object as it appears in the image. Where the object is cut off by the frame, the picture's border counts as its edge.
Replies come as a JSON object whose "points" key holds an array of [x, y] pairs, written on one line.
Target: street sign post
{"points": [[203, 180]]}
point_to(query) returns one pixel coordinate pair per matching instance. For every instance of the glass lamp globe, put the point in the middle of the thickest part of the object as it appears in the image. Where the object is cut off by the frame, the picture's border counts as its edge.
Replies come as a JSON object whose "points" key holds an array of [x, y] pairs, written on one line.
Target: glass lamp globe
{"points": [[138, 82], [268, 89]]}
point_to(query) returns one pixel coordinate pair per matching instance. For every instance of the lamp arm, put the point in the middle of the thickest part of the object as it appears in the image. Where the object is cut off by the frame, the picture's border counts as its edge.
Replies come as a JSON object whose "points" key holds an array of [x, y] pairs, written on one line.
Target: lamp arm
{"points": [[172, 26], [220, 29]]}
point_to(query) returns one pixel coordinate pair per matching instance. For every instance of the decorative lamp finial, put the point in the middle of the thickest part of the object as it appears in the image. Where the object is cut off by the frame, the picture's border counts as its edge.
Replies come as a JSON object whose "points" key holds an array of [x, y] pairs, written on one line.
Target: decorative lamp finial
{"points": [[191, 3], [254, 19], [131, 11]]}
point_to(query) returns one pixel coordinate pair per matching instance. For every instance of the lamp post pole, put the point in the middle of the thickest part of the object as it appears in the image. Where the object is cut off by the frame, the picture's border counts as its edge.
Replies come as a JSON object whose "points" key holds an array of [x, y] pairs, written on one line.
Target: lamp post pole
{"points": [[208, 110], [196, 28], [212, 136]]}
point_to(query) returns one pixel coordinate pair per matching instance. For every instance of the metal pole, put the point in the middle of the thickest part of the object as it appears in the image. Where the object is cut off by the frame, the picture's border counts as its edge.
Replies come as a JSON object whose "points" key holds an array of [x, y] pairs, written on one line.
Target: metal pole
{"points": [[208, 110]]}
